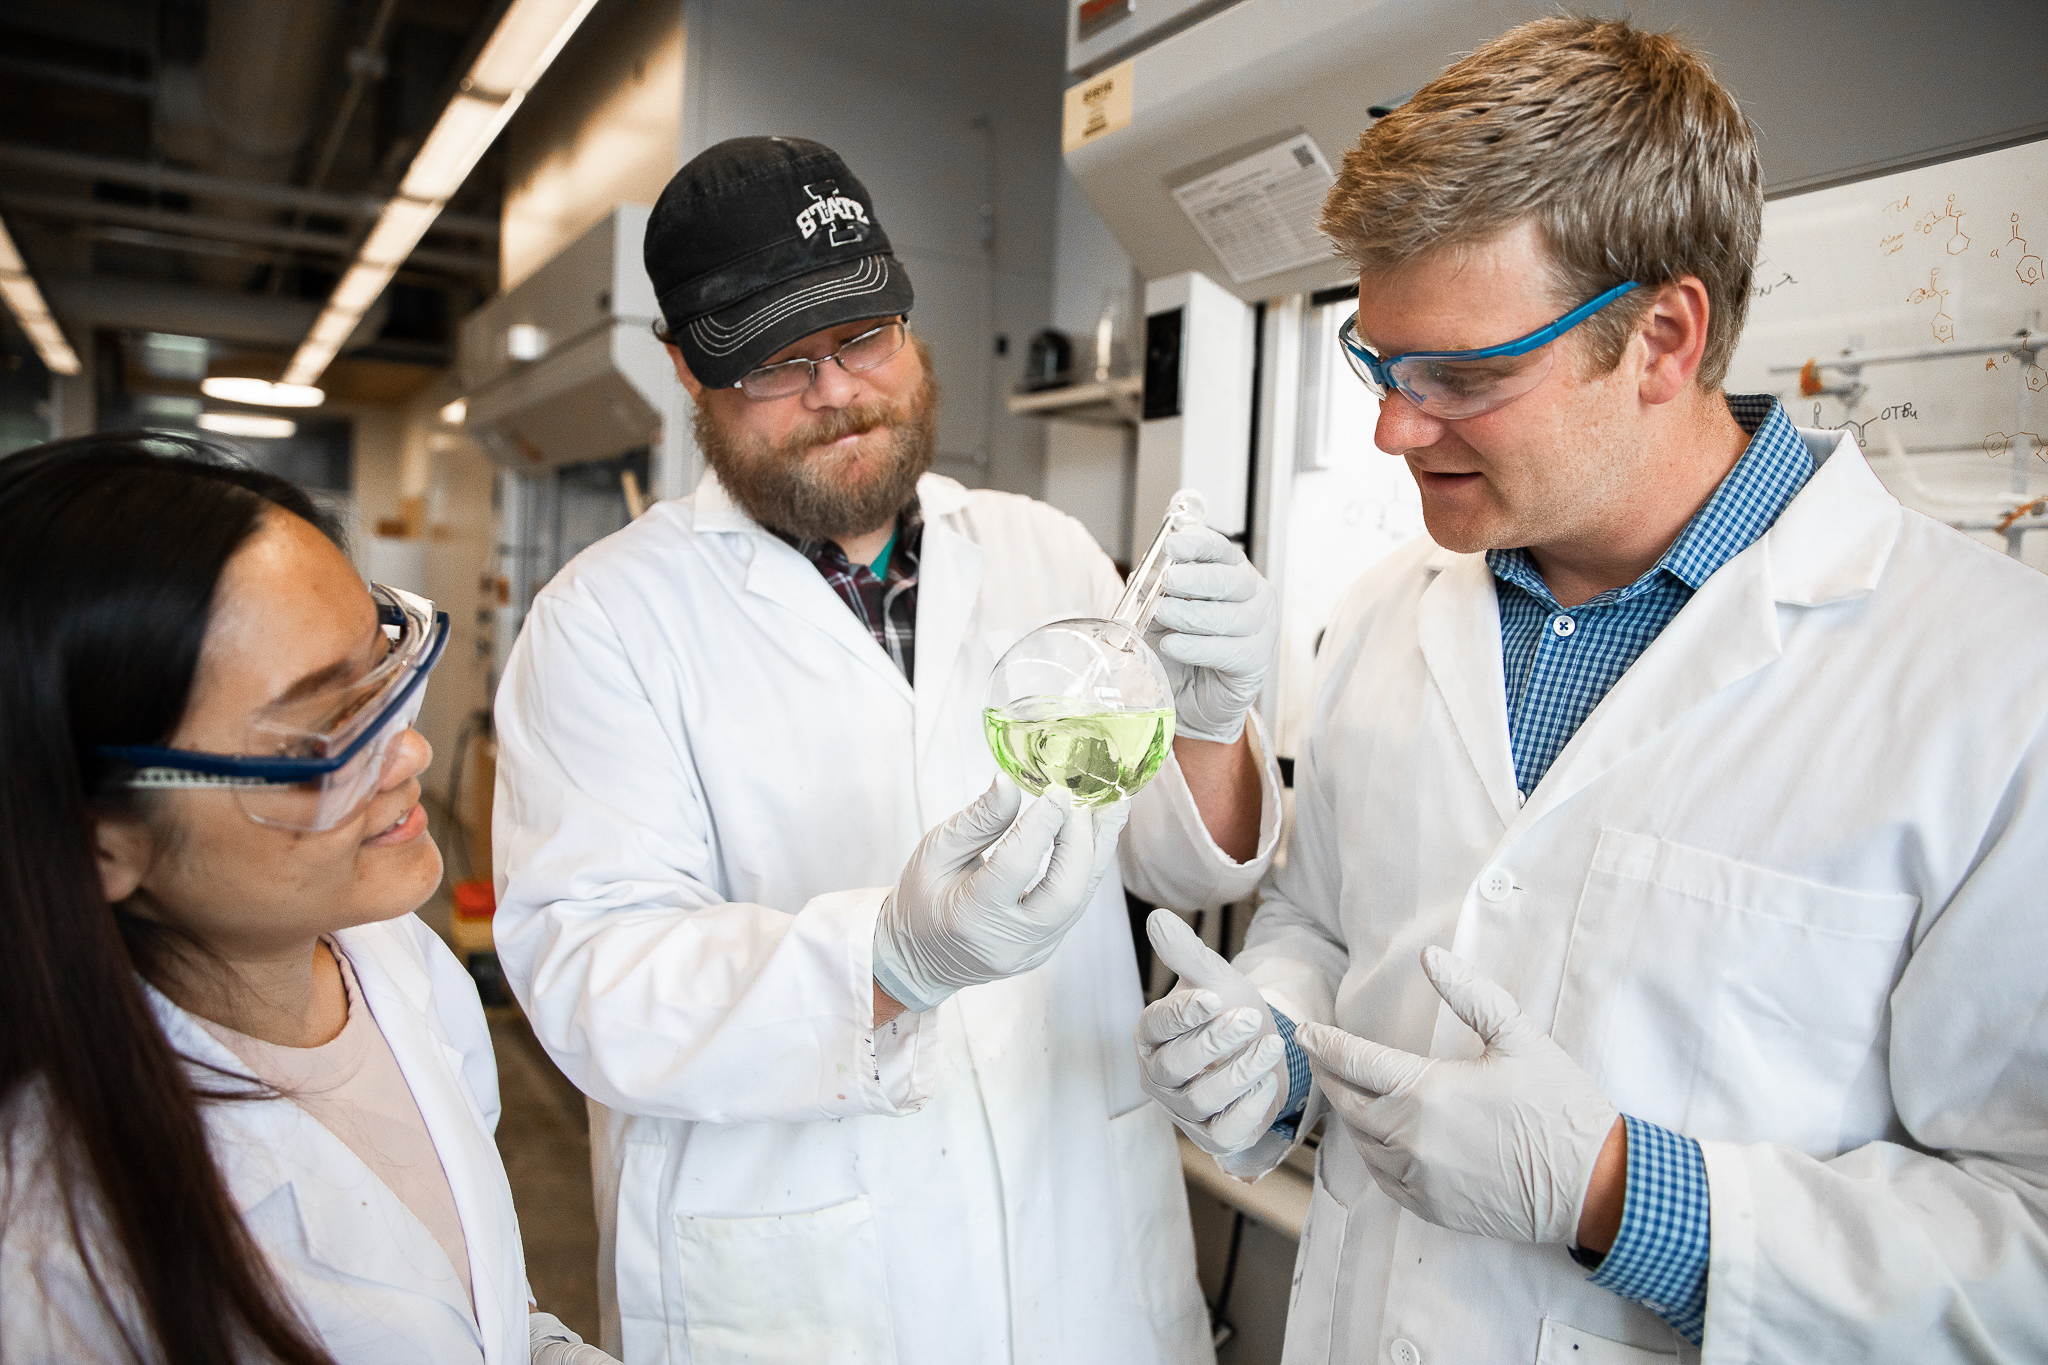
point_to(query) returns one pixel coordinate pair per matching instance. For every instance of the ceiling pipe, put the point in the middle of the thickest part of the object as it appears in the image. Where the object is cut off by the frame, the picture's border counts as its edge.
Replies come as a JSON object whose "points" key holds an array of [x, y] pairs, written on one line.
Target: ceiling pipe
{"points": [[355, 208], [126, 86], [259, 255], [187, 310], [226, 229], [258, 82]]}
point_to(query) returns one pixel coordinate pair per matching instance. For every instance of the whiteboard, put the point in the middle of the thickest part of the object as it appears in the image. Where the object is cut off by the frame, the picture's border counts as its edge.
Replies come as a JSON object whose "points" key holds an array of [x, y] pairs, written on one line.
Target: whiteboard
{"points": [[1943, 264]]}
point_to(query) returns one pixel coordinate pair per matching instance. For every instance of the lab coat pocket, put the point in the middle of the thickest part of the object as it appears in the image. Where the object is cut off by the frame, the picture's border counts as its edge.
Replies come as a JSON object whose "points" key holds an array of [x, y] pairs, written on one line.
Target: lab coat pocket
{"points": [[1154, 1205], [786, 1289], [1561, 1344], [1728, 1000]]}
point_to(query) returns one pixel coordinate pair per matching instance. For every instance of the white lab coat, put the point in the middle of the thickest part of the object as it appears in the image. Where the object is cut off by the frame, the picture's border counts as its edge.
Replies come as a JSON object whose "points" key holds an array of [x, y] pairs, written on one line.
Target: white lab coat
{"points": [[1781, 892], [709, 775], [362, 1270]]}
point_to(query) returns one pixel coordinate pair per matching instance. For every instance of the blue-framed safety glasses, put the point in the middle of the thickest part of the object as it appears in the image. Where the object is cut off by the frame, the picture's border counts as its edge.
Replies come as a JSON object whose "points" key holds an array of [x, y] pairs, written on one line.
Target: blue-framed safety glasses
{"points": [[1455, 384], [310, 762]]}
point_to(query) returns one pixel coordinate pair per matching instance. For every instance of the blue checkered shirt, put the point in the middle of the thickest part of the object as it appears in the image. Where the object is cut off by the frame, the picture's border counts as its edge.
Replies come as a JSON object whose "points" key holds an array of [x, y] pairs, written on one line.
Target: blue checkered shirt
{"points": [[1558, 664]]}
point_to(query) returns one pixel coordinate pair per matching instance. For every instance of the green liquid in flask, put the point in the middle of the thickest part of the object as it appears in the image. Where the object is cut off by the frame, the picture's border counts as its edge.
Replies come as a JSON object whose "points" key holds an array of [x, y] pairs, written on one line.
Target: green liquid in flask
{"points": [[1099, 754]]}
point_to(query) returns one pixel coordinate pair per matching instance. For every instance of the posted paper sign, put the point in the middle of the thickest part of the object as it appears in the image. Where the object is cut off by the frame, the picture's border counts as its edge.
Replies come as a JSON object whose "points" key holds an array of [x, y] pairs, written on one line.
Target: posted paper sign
{"points": [[1258, 214], [1097, 107]]}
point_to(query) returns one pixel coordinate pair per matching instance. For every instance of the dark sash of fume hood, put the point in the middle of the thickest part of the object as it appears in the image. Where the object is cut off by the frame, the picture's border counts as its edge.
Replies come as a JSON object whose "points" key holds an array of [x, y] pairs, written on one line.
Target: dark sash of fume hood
{"points": [[1822, 81]]}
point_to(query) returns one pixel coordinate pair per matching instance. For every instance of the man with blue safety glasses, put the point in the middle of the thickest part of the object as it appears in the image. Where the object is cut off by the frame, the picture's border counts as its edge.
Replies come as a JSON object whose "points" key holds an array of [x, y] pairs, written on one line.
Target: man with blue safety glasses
{"points": [[1459, 384], [1659, 924]]}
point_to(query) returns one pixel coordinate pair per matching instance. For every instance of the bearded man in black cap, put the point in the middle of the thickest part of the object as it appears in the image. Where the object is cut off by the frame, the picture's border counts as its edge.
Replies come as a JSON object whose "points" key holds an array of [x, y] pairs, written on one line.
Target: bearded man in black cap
{"points": [[854, 1019]]}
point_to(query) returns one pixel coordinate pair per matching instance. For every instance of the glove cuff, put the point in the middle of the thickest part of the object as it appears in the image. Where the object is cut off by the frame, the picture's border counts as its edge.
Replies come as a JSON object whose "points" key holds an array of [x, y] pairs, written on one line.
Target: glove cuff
{"points": [[1182, 730], [891, 977]]}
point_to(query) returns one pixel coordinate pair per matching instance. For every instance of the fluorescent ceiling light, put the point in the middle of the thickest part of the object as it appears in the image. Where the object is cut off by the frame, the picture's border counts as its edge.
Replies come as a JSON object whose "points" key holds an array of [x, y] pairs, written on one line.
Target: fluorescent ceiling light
{"points": [[261, 392], [455, 413], [528, 37], [359, 289], [526, 40], [24, 298], [399, 229], [461, 135], [18, 287], [248, 424]]}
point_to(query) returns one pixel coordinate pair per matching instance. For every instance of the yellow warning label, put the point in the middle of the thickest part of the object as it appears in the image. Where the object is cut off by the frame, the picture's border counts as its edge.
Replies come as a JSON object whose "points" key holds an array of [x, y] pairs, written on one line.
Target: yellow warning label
{"points": [[1097, 107]]}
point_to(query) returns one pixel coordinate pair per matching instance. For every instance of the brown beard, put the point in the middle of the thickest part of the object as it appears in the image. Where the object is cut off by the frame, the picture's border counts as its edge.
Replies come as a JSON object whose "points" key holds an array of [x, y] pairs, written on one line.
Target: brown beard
{"points": [[781, 487]]}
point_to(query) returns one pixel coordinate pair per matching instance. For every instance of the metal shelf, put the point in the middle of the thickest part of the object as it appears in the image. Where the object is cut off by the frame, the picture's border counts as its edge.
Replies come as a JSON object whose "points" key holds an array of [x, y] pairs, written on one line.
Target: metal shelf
{"points": [[1278, 1199], [1100, 402]]}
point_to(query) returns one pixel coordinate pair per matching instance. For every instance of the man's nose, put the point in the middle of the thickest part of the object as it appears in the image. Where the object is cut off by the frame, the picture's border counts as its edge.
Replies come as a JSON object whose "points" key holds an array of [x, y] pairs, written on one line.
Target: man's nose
{"points": [[832, 387], [1403, 426]]}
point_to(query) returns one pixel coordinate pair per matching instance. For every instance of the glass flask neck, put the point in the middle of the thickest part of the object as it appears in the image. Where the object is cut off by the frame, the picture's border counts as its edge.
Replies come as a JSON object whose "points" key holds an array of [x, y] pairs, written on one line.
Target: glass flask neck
{"points": [[1184, 512]]}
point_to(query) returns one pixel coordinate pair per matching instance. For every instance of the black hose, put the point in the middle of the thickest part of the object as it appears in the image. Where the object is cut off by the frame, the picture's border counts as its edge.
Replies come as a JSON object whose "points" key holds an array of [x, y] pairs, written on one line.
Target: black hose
{"points": [[1217, 1320], [474, 720]]}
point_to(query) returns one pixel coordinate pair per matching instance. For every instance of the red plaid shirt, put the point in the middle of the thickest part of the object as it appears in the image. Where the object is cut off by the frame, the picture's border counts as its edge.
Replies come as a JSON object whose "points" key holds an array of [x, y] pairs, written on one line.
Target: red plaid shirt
{"points": [[887, 606]]}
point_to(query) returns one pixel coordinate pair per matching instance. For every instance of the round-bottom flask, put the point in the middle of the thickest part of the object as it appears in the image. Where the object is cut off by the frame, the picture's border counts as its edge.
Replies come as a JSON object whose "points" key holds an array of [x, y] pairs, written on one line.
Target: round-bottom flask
{"points": [[1082, 704]]}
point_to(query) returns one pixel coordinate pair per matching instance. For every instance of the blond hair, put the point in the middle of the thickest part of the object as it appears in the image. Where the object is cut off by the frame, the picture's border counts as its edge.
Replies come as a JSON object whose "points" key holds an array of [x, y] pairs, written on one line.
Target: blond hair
{"points": [[1633, 161]]}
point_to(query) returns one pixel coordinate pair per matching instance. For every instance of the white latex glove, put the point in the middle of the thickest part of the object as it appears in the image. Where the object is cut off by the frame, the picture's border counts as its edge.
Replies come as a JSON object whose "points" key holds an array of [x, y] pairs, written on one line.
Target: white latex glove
{"points": [[971, 906], [1216, 628], [554, 1344], [1210, 1051], [1502, 1145]]}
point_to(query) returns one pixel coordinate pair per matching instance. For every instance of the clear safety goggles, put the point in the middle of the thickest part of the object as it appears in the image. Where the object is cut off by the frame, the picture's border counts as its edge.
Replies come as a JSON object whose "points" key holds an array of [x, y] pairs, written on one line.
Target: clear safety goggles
{"points": [[1455, 384], [310, 762]]}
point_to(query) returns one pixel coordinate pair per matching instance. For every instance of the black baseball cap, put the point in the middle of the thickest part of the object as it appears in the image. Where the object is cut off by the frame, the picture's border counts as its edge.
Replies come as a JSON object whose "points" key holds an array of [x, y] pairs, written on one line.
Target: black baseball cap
{"points": [[761, 241]]}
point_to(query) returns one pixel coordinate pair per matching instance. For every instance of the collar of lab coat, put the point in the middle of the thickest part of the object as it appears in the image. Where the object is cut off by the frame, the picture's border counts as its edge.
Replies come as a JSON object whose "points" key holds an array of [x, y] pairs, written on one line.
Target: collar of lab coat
{"points": [[1829, 545], [264, 1146], [948, 586]]}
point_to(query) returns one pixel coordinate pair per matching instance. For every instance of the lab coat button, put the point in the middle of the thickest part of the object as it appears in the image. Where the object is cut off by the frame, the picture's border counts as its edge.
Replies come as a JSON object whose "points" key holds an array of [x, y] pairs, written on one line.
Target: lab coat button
{"points": [[1404, 1352], [1496, 884], [1563, 625]]}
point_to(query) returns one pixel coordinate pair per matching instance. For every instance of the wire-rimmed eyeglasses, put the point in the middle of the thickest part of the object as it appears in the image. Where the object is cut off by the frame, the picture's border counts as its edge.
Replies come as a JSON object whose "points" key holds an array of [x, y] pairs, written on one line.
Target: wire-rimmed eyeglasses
{"points": [[786, 378]]}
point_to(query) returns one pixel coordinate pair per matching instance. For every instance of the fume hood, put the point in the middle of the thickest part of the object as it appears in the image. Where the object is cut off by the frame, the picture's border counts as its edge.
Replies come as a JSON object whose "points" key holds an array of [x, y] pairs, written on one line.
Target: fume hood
{"points": [[564, 369]]}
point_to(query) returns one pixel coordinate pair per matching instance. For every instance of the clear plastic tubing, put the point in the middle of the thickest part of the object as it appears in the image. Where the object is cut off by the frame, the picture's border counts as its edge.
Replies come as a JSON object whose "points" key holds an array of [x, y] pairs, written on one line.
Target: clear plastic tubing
{"points": [[1141, 595]]}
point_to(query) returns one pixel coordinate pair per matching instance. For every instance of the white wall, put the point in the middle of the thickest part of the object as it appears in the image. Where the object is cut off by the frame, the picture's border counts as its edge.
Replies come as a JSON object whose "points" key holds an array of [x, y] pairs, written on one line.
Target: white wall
{"points": [[1089, 469], [602, 128], [896, 87], [404, 451]]}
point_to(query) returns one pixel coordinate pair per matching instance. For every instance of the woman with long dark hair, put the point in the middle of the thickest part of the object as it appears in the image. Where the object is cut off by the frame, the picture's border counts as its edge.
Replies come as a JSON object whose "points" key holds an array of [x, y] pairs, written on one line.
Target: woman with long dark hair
{"points": [[246, 1097]]}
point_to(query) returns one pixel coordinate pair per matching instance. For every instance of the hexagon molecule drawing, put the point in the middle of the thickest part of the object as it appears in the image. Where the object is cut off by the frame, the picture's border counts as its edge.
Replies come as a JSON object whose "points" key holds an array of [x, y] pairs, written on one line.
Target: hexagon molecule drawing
{"points": [[1998, 444], [1957, 242], [1944, 325], [2026, 266]]}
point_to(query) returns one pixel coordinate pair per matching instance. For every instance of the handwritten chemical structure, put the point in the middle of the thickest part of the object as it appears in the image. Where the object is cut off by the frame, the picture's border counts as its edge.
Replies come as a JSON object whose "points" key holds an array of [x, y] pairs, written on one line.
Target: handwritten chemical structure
{"points": [[1759, 291], [1957, 243], [2027, 267], [1897, 412], [2036, 377], [1998, 444], [1944, 325]]}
